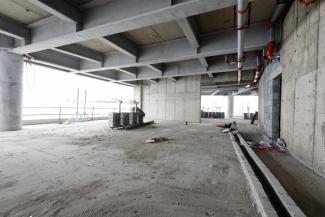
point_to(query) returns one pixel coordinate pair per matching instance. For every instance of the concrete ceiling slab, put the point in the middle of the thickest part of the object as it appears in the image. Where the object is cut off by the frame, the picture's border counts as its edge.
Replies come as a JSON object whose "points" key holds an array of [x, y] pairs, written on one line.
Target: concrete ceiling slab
{"points": [[97, 45], [22, 10], [87, 4], [261, 10], [154, 34], [152, 28], [80, 2]]}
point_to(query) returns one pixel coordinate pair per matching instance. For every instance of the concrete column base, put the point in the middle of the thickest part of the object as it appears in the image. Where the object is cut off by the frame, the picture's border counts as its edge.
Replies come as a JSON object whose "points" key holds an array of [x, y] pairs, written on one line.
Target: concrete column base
{"points": [[11, 84]]}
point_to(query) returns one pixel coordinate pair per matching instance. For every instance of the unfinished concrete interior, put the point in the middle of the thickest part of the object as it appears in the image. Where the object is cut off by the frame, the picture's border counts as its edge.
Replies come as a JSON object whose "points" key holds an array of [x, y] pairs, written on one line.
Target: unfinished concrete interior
{"points": [[173, 53]]}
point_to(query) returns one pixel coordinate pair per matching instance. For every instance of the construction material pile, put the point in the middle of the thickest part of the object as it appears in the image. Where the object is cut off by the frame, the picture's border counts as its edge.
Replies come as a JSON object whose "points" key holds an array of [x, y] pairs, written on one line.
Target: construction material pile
{"points": [[270, 145], [231, 127], [157, 140]]}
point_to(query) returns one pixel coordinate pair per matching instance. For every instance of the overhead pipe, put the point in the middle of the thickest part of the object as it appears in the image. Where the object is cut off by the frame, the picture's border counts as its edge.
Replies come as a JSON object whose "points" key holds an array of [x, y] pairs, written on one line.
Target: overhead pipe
{"points": [[258, 70], [271, 46], [242, 11]]}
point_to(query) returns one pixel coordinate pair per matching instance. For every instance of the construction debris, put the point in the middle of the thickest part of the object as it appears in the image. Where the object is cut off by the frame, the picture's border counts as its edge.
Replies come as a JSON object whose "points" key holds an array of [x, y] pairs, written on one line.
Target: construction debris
{"points": [[232, 127], [224, 125], [270, 145], [157, 140], [129, 120]]}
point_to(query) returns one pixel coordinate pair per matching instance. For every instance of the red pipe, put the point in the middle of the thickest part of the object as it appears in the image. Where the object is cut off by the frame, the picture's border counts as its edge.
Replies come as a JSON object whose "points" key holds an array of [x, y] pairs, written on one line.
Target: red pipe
{"points": [[306, 3], [271, 46]]}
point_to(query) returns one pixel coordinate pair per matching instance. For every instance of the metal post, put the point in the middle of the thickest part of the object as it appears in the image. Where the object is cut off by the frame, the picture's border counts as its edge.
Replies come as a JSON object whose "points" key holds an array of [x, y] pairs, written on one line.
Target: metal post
{"points": [[77, 112], [92, 113], [85, 102], [60, 115]]}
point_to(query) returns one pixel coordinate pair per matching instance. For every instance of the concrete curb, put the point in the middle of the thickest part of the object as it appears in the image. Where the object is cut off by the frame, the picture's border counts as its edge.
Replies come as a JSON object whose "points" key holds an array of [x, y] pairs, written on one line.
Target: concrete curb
{"points": [[286, 200], [257, 193]]}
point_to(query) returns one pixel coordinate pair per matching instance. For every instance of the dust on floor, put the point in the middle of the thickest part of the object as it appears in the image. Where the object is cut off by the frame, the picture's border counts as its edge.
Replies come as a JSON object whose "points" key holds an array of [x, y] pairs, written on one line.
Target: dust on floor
{"points": [[87, 169]]}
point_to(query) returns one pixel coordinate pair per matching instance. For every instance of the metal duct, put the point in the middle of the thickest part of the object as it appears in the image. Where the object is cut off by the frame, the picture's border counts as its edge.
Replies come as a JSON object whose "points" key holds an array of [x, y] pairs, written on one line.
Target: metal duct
{"points": [[278, 11], [242, 18], [271, 47], [258, 68]]}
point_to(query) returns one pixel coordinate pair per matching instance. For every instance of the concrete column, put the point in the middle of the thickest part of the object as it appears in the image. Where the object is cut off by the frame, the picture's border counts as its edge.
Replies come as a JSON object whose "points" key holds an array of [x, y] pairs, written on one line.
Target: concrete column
{"points": [[230, 106], [11, 84], [138, 95]]}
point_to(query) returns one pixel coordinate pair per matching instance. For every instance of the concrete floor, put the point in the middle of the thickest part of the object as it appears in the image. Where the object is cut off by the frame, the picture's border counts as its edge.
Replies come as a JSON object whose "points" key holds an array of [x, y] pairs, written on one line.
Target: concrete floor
{"points": [[87, 169]]}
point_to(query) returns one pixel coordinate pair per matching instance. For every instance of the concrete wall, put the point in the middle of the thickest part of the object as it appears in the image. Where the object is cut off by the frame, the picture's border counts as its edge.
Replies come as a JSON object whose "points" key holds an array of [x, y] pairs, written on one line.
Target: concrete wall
{"points": [[303, 84], [269, 100], [170, 100]]}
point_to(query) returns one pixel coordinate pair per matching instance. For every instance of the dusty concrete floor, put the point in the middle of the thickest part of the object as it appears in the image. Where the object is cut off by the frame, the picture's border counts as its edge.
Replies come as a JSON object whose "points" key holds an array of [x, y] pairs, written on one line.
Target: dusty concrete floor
{"points": [[87, 169], [305, 187]]}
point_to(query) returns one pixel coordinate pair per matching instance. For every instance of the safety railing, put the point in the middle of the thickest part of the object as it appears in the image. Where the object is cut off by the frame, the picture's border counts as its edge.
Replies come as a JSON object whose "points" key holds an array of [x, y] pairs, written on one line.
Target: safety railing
{"points": [[63, 113]]}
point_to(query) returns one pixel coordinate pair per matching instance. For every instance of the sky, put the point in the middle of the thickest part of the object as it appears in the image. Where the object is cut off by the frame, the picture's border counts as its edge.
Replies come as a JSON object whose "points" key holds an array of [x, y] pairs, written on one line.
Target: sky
{"points": [[45, 87], [48, 87]]}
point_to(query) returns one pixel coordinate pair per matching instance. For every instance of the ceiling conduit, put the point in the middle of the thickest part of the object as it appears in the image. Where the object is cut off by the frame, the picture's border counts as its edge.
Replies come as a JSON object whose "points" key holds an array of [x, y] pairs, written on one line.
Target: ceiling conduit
{"points": [[242, 11], [271, 46]]}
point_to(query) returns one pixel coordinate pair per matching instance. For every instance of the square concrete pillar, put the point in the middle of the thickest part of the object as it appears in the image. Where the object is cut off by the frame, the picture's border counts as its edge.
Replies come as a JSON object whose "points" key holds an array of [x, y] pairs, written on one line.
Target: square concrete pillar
{"points": [[11, 84]]}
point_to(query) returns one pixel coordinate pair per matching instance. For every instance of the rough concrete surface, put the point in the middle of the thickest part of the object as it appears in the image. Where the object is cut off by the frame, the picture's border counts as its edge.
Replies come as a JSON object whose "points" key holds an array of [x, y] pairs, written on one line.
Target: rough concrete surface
{"points": [[11, 91], [170, 100], [302, 99], [87, 169]]}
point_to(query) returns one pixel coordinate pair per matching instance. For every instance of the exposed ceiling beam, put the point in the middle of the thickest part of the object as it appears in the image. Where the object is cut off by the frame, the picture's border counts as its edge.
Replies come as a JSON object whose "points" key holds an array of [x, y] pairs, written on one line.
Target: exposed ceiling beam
{"points": [[221, 86], [204, 62], [121, 43], [57, 59], [185, 68], [112, 75], [102, 78], [125, 83], [215, 92], [15, 29], [116, 17], [153, 80], [6, 42], [189, 28], [243, 90], [81, 52], [61, 9], [129, 71], [45, 64], [105, 78], [219, 43], [173, 79], [156, 67]]}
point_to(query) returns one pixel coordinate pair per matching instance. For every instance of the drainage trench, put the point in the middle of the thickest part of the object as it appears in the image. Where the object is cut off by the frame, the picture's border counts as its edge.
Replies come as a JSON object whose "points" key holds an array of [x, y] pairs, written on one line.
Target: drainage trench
{"points": [[270, 192]]}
